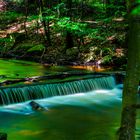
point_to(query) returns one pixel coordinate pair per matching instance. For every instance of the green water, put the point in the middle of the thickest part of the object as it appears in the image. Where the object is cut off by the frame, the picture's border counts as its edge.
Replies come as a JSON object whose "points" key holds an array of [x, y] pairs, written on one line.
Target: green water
{"points": [[84, 116], [65, 122], [92, 120], [78, 117], [16, 69]]}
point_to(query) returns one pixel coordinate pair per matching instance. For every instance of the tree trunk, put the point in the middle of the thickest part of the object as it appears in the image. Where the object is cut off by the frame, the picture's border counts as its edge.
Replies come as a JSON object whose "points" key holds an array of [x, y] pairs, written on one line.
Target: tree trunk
{"points": [[109, 9], [69, 37], [45, 25], [128, 121], [26, 16]]}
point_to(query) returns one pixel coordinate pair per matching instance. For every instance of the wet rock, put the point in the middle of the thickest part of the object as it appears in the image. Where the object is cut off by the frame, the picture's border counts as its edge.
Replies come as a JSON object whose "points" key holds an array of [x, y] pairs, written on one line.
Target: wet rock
{"points": [[37, 107], [3, 136]]}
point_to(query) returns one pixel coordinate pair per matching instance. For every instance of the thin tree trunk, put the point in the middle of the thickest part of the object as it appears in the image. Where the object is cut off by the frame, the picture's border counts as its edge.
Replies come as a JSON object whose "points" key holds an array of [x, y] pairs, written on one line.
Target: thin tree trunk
{"points": [[26, 16], [108, 8], [128, 121], [45, 26], [69, 37]]}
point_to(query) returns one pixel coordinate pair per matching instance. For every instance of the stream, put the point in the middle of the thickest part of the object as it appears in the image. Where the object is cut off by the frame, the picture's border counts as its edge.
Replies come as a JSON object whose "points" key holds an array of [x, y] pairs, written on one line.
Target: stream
{"points": [[92, 115]]}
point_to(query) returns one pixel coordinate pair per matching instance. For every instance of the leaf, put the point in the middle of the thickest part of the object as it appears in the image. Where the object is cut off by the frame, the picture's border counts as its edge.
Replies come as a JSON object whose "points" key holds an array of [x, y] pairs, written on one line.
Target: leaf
{"points": [[32, 18], [136, 11], [39, 47]]}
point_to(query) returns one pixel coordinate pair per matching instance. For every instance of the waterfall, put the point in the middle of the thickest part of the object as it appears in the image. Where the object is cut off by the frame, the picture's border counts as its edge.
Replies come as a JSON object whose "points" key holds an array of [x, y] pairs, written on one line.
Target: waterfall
{"points": [[10, 95]]}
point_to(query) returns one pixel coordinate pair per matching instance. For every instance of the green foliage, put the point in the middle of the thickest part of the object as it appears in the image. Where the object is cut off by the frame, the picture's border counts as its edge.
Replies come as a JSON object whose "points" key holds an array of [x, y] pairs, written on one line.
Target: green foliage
{"points": [[75, 27], [136, 11], [49, 18], [6, 45], [72, 53], [8, 17], [35, 48], [59, 5], [88, 24], [17, 1], [106, 60], [106, 52], [33, 17], [95, 34], [25, 46], [10, 42]]}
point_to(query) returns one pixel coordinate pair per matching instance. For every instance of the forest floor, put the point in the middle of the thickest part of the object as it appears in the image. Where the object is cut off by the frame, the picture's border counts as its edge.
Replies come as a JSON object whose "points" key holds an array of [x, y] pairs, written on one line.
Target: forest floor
{"points": [[101, 42]]}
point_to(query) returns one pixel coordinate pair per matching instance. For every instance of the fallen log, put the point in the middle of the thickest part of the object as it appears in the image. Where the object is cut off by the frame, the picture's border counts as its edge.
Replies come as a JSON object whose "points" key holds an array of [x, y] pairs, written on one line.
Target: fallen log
{"points": [[34, 79], [49, 77]]}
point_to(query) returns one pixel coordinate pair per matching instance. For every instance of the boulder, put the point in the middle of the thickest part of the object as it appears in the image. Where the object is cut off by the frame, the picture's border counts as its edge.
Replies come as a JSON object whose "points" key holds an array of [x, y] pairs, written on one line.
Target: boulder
{"points": [[37, 107]]}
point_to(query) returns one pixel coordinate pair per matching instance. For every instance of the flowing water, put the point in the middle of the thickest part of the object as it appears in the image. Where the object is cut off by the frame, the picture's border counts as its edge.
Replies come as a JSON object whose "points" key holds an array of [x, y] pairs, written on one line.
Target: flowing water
{"points": [[94, 115], [91, 113], [9, 95]]}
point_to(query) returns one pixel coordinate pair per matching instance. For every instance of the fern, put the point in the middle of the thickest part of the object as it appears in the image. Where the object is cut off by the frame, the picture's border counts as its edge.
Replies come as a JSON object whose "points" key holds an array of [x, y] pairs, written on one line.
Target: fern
{"points": [[39, 47]]}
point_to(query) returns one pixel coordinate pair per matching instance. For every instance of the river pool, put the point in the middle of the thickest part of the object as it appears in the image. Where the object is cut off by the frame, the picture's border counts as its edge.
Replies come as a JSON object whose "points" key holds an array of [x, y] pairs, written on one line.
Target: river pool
{"points": [[93, 115]]}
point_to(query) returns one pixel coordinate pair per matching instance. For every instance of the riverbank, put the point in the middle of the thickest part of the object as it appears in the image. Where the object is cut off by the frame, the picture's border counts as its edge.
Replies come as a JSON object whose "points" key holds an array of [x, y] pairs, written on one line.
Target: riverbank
{"points": [[88, 40]]}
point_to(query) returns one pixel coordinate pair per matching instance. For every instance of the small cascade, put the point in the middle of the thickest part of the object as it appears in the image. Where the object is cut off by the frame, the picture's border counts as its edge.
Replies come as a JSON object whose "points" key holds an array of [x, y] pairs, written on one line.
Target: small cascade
{"points": [[10, 95]]}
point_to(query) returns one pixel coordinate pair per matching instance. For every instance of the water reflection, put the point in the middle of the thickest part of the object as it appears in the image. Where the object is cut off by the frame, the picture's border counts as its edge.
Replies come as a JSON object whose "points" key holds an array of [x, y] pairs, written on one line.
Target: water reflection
{"points": [[15, 69], [96, 68]]}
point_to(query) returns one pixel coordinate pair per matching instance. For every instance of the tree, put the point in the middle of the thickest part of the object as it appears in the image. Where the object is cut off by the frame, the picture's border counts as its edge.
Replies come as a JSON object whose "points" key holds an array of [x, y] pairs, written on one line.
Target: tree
{"points": [[45, 25], [113, 7], [128, 121], [26, 16], [69, 37]]}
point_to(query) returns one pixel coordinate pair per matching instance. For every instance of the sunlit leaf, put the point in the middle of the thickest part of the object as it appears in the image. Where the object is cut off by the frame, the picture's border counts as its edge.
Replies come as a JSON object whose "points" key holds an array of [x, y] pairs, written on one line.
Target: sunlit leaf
{"points": [[136, 11], [39, 47]]}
